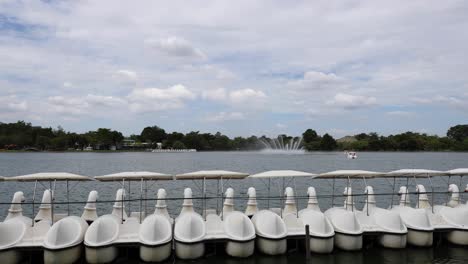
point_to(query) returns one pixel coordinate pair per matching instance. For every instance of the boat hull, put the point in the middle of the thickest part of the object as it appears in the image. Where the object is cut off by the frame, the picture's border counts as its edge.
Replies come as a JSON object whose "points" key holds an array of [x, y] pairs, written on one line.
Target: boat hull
{"points": [[458, 237], [420, 238], [10, 256], [348, 242], [271, 246], [155, 253], [393, 240], [240, 249], [189, 250], [101, 254], [68, 255], [321, 245]]}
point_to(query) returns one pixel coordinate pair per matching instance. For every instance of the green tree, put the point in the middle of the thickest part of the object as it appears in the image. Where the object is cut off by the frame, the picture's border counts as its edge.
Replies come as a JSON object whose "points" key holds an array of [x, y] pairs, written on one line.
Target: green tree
{"points": [[178, 145], [153, 134], [328, 142], [309, 135], [458, 132]]}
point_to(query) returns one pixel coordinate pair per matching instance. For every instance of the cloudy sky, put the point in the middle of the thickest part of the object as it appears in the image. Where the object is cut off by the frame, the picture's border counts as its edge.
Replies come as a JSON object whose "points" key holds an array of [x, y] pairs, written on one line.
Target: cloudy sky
{"points": [[238, 67]]}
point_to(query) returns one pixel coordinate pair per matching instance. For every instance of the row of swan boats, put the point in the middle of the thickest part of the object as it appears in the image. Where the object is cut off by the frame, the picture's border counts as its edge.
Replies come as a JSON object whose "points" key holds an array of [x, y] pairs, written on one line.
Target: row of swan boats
{"points": [[158, 235]]}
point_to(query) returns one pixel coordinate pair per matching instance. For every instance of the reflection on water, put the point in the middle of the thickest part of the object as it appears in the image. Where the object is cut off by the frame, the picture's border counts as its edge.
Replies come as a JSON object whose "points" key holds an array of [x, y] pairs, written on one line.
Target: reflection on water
{"points": [[442, 254]]}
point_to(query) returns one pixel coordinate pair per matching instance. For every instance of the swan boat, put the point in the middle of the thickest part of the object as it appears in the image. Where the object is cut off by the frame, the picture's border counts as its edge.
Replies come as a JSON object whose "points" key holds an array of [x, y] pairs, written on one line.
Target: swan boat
{"points": [[348, 229], [229, 225], [118, 229], [417, 220], [189, 230], [61, 239], [450, 218], [320, 229], [388, 225]]}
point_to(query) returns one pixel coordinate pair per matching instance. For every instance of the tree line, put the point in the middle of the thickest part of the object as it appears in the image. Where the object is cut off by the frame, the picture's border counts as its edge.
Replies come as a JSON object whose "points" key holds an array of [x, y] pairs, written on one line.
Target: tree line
{"points": [[25, 136]]}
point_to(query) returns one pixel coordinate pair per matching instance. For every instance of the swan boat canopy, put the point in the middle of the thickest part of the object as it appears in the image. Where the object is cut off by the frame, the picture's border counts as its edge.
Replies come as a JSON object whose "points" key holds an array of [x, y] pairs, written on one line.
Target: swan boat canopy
{"points": [[134, 176], [211, 175], [458, 172], [49, 176], [415, 173]]}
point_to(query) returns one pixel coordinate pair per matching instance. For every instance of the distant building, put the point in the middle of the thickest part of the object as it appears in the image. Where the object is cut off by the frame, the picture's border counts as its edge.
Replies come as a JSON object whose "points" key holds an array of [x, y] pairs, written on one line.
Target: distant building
{"points": [[128, 142]]}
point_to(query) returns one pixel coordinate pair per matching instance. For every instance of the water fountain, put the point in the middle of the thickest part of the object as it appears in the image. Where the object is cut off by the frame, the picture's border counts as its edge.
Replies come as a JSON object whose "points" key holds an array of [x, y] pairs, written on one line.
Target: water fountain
{"points": [[281, 146]]}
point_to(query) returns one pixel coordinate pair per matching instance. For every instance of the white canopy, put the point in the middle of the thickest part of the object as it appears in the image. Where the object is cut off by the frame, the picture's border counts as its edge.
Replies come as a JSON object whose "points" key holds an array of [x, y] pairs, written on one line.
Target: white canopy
{"points": [[50, 176], [282, 173], [458, 172], [349, 174], [134, 176], [211, 174], [419, 173]]}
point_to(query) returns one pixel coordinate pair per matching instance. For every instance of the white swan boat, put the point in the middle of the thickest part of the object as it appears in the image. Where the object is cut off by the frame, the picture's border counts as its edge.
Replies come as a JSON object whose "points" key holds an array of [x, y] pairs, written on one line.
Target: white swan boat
{"points": [[348, 229], [268, 241], [41, 235], [63, 241], [452, 219], [420, 228], [189, 230], [233, 227], [320, 229], [270, 229], [118, 229], [18, 231], [386, 224], [107, 231], [417, 220], [155, 232]]}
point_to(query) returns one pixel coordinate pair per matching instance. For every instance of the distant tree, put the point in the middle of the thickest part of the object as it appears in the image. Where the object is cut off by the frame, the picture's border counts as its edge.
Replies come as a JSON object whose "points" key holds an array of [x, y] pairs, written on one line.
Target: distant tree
{"points": [[328, 142], [458, 132], [309, 135], [153, 134], [178, 145]]}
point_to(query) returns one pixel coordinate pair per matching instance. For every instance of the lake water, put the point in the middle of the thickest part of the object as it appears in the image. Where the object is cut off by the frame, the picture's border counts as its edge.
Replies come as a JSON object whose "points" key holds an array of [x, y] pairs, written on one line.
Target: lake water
{"points": [[92, 164]]}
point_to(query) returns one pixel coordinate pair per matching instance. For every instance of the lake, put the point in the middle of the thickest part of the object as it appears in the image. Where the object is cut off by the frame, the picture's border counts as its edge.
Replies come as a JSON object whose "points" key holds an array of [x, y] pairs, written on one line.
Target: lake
{"points": [[92, 164]]}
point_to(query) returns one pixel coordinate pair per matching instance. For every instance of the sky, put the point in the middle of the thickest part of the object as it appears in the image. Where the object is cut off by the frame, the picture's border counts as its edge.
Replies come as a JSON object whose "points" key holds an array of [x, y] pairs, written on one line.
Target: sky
{"points": [[239, 67]]}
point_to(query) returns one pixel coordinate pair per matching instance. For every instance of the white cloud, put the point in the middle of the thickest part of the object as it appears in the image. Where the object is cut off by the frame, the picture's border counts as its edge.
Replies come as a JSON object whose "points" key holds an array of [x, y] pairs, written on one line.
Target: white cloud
{"points": [[459, 102], [350, 102], [175, 46], [280, 126], [246, 95], [12, 104], [218, 95], [315, 80], [401, 114], [225, 116], [247, 98], [88, 105], [377, 50], [126, 75], [157, 99]]}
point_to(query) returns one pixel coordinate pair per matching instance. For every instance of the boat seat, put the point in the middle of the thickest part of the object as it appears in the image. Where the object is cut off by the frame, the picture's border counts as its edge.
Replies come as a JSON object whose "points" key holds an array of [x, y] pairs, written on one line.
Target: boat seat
{"points": [[214, 227], [129, 230], [294, 225], [209, 212], [137, 215]]}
